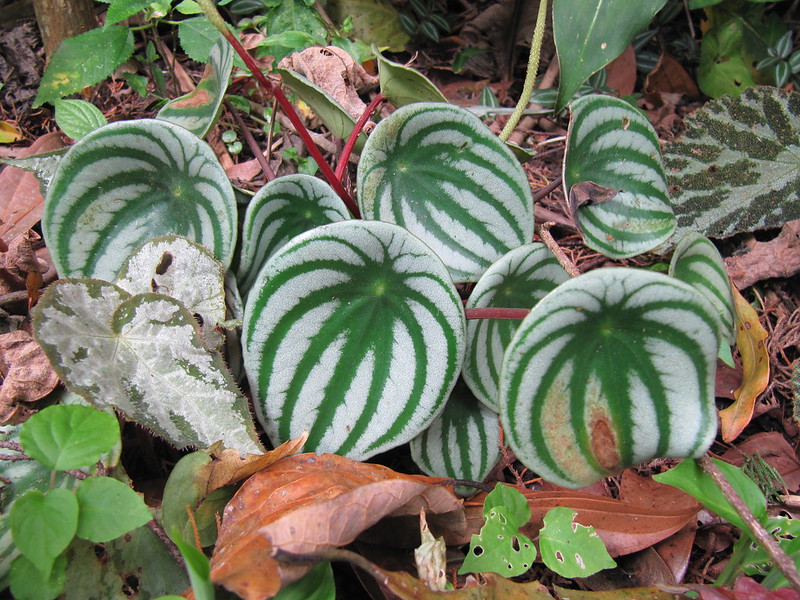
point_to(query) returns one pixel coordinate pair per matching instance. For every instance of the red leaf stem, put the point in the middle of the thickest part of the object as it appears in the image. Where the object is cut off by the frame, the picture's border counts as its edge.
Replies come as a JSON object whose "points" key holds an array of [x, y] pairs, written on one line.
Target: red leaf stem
{"points": [[496, 313], [341, 167]]}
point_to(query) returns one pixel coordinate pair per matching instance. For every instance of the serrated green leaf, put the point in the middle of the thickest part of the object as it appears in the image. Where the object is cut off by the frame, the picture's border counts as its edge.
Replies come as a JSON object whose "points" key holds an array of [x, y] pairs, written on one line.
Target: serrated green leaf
{"points": [[198, 36], [698, 262], [735, 168], [499, 547], [612, 146], [119, 10], [403, 85], [429, 166], [69, 437], [76, 118], [131, 181], [612, 368], [108, 509], [570, 549], [198, 110], [354, 333], [280, 210], [84, 60], [463, 442], [519, 279], [27, 582], [590, 34], [43, 525], [143, 355]]}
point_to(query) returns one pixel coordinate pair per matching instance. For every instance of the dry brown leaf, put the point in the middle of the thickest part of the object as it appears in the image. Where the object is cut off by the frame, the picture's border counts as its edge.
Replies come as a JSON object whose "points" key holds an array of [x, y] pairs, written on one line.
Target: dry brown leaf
{"points": [[306, 504], [643, 593], [21, 200], [776, 258], [744, 588], [751, 341], [774, 449], [27, 374], [669, 77], [621, 72], [407, 587]]}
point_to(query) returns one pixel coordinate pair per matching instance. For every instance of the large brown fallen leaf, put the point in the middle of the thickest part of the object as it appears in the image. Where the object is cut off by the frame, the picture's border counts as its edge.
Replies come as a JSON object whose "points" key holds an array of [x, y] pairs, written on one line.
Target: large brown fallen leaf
{"points": [[307, 504], [646, 593], [26, 372], [776, 258], [751, 340], [743, 589], [774, 449]]}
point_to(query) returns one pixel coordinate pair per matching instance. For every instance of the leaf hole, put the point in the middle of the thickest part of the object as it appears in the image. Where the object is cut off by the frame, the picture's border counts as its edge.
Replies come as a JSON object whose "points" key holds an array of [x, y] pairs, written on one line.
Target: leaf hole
{"points": [[559, 556], [477, 550], [199, 318], [166, 261], [579, 560], [515, 543]]}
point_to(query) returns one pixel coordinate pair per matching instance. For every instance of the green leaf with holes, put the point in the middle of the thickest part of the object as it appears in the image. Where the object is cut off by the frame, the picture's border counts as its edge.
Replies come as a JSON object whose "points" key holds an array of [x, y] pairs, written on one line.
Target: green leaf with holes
{"points": [[131, 181], [198, 110], [143, 355], [353, 332], [612, 368], [436, 170], [614, 178], [698, 262], [463, 442], [519, 279], [571, 549], [280, 210], [735, 168], [500, 547]]}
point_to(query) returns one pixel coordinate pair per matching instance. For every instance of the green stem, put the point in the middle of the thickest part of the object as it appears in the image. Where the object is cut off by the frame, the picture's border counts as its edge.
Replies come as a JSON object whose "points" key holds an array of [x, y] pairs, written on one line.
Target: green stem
{"points": [[216, 19], [530, 76]]}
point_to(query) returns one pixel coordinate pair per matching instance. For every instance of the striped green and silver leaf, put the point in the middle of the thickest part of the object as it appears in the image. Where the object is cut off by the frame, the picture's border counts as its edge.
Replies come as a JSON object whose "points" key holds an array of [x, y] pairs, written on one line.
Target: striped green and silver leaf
{"points": [[614, 178], [519, 279], [131, 181], [735, 168], [612, 368], [436, 170], [698, 262], [283, 208], [353, 332], [142, 355], [198, 110], [463, 442]]}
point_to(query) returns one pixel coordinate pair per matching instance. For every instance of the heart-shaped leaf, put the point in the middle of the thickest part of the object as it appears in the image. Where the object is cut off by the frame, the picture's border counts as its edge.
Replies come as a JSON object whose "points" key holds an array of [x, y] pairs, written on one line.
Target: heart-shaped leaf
{"points": [[108, 509], [610, 369], [520, 278], [143, 355], [131, 181], [569, 548], [613, 149], [403, 85], [697, 262], [280, 210], [463, 442], [354, 333], [197, 110], [439, 172]]}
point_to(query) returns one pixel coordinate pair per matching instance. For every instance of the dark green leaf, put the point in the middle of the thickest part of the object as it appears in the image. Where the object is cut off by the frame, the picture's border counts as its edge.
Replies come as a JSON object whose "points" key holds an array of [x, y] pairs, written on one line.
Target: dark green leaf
{"points": [[317, 584], [120, 10]]}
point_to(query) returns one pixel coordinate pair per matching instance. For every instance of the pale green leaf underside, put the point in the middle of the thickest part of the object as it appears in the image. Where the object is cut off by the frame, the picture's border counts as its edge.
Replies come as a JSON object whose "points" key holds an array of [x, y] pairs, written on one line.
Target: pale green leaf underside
{"points": [[437, 171], [519, 279], [610, 369], [463, 442], [737, 167], [698, 262], [142, 355], [612, 144], [280, 210], [197, 110], [354, 333], [131, 181]]}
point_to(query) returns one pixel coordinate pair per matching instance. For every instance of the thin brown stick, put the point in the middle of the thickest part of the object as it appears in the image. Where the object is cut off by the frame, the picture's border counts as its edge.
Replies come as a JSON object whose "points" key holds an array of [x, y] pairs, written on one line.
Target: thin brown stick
{"points": [[779, 558], [563, 259], [251, 142]]}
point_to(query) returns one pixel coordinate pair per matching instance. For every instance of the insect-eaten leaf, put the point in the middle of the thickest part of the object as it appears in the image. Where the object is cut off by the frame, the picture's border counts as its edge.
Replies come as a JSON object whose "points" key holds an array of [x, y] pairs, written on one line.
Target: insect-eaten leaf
{"points": [[570, 549], [144, 356]]}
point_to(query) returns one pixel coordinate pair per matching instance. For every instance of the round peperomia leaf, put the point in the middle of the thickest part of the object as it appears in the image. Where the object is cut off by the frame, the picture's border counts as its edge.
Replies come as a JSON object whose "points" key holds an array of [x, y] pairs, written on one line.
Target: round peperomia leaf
{"points": [[131, 181], [143, 355], [614, 178], [698, 262], [354, 333], [610, 369], [439, 172], [519, 279], [282, 209], [463, 442]]}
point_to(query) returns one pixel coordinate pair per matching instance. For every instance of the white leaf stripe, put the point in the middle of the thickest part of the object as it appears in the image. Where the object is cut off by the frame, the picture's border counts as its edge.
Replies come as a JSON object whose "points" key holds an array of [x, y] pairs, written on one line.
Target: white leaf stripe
{"points": [[341, 346], [433, 169], [128, 182], [608, 370]]}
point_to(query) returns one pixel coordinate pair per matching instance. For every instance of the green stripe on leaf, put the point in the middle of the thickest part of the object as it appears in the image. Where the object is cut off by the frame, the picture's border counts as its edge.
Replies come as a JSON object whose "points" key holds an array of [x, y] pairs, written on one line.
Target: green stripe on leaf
{"points": [[610, 369], [354, 333]]}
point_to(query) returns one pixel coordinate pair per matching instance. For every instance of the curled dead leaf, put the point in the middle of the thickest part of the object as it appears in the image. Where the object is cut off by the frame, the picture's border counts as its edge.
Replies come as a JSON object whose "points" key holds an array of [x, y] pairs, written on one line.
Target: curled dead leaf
{"points": [[27, 374]]}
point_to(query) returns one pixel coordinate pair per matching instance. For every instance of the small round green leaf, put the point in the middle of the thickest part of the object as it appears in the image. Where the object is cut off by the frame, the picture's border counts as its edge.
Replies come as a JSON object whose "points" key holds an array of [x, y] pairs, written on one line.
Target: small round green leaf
{"points": [[571, 549], [69, 437], [78, 117], [43, 525], [27, 582], [108, 509]]}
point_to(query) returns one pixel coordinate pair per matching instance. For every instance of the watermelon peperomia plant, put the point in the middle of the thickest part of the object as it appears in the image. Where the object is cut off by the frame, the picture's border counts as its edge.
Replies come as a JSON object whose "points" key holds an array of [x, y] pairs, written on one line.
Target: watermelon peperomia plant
{"points": [[355, 330]]}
